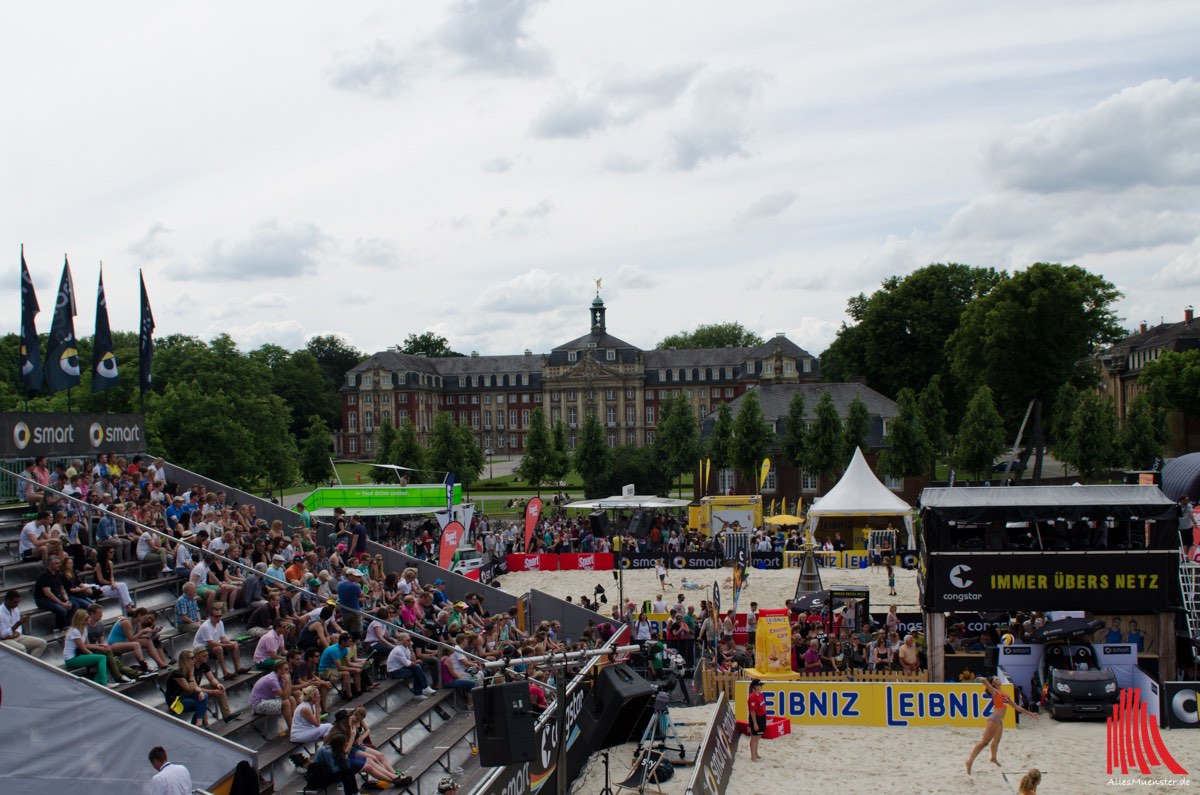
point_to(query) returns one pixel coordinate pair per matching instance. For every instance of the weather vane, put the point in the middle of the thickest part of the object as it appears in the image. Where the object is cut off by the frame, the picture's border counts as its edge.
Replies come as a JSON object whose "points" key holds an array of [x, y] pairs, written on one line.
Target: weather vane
{"points": [[598, 286]]}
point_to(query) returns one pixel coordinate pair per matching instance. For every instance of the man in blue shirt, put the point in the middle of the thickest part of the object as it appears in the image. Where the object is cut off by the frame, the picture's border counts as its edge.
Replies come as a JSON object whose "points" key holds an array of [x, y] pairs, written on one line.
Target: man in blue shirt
{"points": [[1136, 637], [335, 665], [349, 593], [1114, 632]]}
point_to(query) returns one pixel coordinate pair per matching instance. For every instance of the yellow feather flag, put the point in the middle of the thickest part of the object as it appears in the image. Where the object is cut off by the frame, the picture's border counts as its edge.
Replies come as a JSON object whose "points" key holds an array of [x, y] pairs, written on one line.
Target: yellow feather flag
{"points": [[766, 470], [783, 510], [707, 470], [772, 507]]}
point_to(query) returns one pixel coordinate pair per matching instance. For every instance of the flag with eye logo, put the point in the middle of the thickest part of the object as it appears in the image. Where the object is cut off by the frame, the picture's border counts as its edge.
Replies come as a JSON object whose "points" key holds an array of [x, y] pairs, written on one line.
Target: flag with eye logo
{"points": [[30, 360], [104, 360], [145, 340], [62, 354]]}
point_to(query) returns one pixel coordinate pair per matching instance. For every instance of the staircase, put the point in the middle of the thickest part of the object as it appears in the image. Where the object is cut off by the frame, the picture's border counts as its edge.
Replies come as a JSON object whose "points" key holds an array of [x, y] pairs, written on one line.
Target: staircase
{"points": [[1189, 588]]}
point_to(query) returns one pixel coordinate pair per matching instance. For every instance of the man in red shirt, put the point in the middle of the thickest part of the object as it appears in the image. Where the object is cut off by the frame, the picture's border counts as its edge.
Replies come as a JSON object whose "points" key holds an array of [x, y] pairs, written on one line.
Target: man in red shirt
{"points": [[756, 708]]}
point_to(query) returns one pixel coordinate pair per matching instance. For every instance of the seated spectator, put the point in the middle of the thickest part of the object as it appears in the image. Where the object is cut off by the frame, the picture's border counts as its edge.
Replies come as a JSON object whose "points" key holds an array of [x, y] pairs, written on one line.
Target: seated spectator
{"points": [[34, 544], [150, 550], [306, 720], [272, 694], [402, 664], [109, 585], [138, 633], [215, 691], [229, 585], [458, 669], [304, 672], [206, 585], [78, 592], [183, 694], [379, 638], [50, 592], [77, 653], [118, 671], [271, 647], [335, 666], [11, 633], [211, 635], [187, 609], [319, 623]]}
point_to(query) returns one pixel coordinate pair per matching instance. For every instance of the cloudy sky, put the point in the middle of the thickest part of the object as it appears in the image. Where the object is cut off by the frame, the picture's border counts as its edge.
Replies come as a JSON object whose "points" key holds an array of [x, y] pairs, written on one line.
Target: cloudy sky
{"points": [[280, 170]]}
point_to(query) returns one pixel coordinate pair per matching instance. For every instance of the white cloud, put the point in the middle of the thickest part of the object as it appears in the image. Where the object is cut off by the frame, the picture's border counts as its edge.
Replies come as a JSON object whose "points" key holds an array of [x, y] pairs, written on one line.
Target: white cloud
{"points": [[379, 71], [378, 252], [531, 292], [288, 334], [632, 277], [507, 223], [717, 126], [152, 245], [271, 251], [624, 164], [1182, 271], [1145, 134], [491, 37], [497, 165], [571, 117], [768, 206]]}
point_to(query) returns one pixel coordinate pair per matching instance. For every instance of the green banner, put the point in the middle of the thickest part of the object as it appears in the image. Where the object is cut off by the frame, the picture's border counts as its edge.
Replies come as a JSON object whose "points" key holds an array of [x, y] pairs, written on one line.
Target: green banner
{"points": [[431, 496]]}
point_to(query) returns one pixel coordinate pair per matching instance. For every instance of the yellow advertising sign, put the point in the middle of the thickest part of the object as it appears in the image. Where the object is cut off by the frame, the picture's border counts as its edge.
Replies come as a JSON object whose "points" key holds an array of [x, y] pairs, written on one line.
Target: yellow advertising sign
{"points": [[763, 472], [847, 559], [772, 644], [898, 704]]}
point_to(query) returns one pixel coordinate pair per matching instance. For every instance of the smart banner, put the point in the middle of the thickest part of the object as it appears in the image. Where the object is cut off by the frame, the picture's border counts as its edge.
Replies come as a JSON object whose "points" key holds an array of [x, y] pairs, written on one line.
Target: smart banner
{"points": [[767, 560], [696, 560], [714, 760], [773, 642], [637, 560], [846, 559], [1181, 704], [26, 434], [585, 561], [892, 704], [1118, 582]]}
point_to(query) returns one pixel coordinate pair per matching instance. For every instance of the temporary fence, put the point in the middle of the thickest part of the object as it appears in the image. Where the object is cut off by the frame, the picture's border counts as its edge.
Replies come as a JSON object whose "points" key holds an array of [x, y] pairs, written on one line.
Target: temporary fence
{"points": [[713, 682]]}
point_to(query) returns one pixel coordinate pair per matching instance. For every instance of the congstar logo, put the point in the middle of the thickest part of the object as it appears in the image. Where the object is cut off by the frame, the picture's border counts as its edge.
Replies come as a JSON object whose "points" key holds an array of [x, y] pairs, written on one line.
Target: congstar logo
{"points": [[958, 576]]}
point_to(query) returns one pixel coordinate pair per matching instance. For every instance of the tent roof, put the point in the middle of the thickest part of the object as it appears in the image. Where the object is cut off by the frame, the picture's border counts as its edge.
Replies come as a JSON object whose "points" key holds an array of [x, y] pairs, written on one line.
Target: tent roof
{"points": [[859, 493], [975, 504], [634, 501], [1182, 476]]}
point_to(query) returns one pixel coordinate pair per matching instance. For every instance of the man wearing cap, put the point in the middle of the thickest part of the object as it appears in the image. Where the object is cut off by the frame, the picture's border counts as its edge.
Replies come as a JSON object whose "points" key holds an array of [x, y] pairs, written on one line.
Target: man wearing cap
{"points": [[276, 569], [438, 592], [174, 511]]}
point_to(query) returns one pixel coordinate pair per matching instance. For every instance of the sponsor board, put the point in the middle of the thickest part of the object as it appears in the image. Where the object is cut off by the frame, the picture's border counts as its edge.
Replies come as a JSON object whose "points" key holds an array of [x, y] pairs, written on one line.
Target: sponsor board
{"points": [[1101, 582], [714, 760], [1181, 704], [26, 434], [899, 704]]}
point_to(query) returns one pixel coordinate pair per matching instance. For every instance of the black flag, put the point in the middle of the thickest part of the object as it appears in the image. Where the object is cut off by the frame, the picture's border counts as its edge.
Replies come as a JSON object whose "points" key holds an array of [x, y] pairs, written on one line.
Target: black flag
{"points": [[104, 360], [30, 359], [62, 357], [145, 339]]}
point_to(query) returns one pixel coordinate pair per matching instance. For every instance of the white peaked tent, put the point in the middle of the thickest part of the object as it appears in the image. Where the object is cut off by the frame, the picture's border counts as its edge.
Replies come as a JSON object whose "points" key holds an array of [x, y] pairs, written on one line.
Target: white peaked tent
{"points": [[859, 493]]}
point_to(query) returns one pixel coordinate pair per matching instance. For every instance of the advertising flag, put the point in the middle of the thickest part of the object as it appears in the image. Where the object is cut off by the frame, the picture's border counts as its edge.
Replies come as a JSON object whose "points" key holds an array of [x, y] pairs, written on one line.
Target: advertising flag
{"points": [[104, 360], [741, 573], [533, 512], [763, 472], [451, 537], [707, 472], [30, 358], [145, 340], [62, 355]]}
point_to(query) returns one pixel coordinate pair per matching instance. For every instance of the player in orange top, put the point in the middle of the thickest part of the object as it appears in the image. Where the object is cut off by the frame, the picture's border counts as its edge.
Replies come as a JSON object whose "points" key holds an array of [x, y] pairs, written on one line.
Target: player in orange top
{"points": [[993, 728]]}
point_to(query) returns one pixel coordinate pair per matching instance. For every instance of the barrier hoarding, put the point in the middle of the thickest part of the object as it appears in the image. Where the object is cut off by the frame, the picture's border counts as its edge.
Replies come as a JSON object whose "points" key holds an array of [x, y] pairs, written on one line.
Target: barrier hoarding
{"points": [[714, 760], [25, 434], [899, 704]]}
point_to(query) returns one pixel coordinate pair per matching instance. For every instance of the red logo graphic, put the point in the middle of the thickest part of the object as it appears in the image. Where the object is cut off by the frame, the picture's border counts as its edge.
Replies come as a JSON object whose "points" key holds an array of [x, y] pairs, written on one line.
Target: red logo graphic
{"points": [[1133, 738]]}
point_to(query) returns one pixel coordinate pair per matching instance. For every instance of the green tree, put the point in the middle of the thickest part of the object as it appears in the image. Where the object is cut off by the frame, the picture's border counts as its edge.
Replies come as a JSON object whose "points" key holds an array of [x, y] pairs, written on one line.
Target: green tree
{"points": [[933, 422], [720, 441], [1062, 415], [677, 444], [335, 357], [406, 451], [538, 459], [443, 454], [637, 465], [795, 433], [857, 427], [592, 457], [315, 466], [980, 436], [897, 334], [384, 444], [560, 461], [471, 462], [1094, 435], [1032, 333], [1173, 380], [825, 441], [752, 438], [429, 344], [714, 335], [908, 450], [298, 379], [1144, 433]]}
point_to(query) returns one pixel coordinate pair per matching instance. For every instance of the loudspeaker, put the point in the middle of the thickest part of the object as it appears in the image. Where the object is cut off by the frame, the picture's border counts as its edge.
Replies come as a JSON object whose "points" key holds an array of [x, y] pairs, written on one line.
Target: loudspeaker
{"points": [[640, 523], [619, 697], [599, 522], [504, 716]]}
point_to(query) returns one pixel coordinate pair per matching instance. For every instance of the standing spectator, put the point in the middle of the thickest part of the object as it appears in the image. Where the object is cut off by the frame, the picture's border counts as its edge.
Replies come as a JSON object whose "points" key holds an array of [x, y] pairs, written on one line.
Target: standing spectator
{"points": [[50, 592], [211, 635], [752, 624], [170, 779], [757, 712], [1136, 637], [910, 660], [10, 627], [349, 592], [1114, 632]]}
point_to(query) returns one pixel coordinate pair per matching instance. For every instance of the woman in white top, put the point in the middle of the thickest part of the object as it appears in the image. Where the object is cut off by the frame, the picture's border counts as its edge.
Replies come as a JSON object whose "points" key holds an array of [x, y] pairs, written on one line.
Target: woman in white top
{"points": [[78, 654], [306, 720]]}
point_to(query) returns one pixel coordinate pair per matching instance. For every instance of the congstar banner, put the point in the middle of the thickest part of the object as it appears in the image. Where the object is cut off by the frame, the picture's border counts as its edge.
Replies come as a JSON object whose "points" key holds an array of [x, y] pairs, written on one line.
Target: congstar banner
{"points": [[28, 434], [1120, 582]]}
